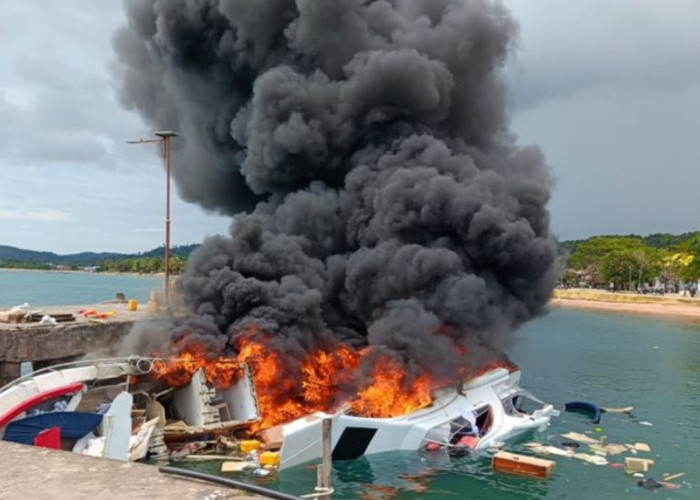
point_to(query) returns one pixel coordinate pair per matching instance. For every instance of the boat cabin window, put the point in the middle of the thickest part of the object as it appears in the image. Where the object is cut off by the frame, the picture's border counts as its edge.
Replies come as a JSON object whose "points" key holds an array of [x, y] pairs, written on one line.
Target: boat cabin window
{"points": [[484, 419], [521, 403], [477, 423]]}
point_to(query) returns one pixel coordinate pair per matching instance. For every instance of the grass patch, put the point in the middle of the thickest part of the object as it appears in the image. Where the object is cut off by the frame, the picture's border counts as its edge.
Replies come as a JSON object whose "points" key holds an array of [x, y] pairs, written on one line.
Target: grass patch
{"points": [[605, 296]]}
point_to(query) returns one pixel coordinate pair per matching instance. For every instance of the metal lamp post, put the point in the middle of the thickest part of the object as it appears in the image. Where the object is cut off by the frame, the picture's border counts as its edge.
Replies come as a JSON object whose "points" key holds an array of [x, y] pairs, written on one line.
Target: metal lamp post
{"points": [[164, 140]]}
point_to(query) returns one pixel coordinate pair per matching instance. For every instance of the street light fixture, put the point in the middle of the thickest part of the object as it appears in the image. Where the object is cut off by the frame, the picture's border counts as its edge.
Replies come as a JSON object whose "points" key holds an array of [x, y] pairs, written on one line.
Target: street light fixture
{"points": [[164, 140]]}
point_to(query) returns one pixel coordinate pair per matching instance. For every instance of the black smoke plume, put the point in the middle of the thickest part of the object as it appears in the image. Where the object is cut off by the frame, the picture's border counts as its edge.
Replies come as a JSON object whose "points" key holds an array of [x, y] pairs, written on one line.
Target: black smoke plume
{"points": [[364, 146]]}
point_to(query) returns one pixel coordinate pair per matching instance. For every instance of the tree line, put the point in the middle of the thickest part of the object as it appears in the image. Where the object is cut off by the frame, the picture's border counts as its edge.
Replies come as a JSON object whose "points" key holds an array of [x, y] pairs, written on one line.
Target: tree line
{"points": [[632, 262], [143, 265]]}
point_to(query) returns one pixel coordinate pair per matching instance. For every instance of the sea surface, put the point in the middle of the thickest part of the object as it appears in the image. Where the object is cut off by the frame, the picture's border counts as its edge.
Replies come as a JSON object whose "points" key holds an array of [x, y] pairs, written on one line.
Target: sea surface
{"points": [[608, 359], [56, 288]]}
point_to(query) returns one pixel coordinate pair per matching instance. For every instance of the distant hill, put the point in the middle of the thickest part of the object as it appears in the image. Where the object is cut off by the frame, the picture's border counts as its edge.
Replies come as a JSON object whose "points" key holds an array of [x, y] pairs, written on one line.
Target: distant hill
{"points": [[14, 254], [181, 250]]}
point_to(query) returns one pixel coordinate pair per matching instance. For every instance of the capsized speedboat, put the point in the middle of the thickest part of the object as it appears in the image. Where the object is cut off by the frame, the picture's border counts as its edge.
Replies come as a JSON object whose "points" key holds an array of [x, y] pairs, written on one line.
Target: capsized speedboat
{"points": [[486, 410]]}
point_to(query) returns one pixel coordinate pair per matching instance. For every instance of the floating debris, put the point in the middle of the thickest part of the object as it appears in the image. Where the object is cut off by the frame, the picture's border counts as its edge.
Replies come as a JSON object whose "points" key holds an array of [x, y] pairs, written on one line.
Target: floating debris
{"points": [[541, 449], [584, 407], [233, 466], [633, 464], [591, 459], [570, 444], [639, 447], [624, 409], [649, 484], [581, 438], [523, 465], [671, 477]]}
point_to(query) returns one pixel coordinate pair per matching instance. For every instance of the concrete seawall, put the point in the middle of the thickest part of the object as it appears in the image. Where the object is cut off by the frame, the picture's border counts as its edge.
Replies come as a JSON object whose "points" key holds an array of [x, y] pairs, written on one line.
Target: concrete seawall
{"points": [[45, 345], [30, 472]]}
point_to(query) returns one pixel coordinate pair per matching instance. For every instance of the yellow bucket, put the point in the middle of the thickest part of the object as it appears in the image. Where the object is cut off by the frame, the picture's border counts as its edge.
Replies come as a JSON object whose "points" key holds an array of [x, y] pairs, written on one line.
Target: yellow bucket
{"points": [[132, 305]]}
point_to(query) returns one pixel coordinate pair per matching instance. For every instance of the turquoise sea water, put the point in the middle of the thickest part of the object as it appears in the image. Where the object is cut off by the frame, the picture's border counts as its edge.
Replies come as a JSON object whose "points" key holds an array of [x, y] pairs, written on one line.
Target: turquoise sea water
{"points": [[608, 359], [55, 288]]}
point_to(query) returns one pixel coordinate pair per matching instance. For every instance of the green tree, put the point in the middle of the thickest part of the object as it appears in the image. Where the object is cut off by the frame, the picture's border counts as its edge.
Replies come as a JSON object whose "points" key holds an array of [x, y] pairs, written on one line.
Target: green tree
{"points": [[630, 268], [691, 249], [591, 251], [177, 264], [569, 278], [590, 255]]}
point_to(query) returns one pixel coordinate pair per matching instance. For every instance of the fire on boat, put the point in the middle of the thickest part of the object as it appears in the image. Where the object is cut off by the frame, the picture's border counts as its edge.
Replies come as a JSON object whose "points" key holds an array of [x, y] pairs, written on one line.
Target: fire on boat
{"points": [[156, 408]]}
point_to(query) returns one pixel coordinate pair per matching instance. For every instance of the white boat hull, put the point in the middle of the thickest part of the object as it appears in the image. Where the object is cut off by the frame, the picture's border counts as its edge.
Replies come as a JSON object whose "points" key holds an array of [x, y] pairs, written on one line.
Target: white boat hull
{"points": [[353, 436]]}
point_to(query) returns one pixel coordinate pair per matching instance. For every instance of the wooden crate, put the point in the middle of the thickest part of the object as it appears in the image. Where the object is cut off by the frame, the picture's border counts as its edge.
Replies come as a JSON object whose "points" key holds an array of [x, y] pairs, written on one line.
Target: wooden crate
{"points": [[523, 465], [633, 464]]}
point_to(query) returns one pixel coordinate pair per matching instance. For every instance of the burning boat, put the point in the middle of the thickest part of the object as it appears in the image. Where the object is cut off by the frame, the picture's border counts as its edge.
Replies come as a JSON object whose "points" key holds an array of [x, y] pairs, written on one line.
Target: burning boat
{"points": [[107, 408], [487, 410]]}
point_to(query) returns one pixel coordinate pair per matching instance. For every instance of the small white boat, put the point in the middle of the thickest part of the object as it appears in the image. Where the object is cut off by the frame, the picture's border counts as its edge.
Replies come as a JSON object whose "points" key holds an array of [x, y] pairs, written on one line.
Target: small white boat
{"points": [[487, 410], [66, 400]]}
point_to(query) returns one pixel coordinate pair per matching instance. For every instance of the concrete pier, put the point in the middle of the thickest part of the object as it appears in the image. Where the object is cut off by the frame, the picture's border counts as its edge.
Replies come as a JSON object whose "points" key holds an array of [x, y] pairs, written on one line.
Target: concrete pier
{"points": [[45, 345], [29, 472]]}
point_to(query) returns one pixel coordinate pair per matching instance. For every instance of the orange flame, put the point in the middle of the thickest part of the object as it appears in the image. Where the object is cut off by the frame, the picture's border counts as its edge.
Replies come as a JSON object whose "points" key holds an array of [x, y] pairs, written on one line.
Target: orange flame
{"points": [[177, 371], [492, 365], [390, 393], [289, 389], [285, 396]]}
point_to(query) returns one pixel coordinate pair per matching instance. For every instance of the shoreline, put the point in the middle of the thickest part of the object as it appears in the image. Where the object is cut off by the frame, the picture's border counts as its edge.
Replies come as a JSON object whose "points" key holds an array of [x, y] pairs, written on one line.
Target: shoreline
{"points": [[671, 306], [668, 306], [79, 271]]}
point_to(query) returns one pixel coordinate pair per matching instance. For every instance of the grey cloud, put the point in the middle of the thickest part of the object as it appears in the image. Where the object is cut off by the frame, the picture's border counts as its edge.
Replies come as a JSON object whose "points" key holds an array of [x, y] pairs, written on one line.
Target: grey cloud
{"points": [[568, 47]]}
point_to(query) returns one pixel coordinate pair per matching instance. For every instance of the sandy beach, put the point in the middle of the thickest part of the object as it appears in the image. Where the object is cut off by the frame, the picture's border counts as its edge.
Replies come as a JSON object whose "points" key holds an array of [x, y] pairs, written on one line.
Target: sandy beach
{"points": [[671, 305], [80, 271]]}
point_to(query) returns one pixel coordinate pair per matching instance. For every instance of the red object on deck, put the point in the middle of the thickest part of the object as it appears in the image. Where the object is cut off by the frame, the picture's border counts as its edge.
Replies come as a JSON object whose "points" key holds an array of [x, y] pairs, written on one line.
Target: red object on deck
{"points": [[49, 438], [31, 402], [469, 441]]}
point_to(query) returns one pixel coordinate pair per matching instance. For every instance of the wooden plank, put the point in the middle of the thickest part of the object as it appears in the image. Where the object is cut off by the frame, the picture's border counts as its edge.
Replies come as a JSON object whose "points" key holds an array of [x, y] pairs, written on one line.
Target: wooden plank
{"points": [[625, 409], [581, 438], [641, 447], [235, 466], [667, 477]]}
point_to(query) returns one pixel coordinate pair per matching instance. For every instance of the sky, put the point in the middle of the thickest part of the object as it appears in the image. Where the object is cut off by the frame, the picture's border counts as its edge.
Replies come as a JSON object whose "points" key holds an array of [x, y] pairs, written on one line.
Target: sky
{"points": [[608, 89]]}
